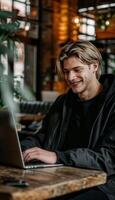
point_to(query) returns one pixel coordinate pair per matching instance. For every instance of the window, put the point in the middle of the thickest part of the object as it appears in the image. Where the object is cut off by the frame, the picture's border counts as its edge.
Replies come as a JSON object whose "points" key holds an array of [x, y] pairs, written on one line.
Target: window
{"points": [[87, 28], [27, 15]]}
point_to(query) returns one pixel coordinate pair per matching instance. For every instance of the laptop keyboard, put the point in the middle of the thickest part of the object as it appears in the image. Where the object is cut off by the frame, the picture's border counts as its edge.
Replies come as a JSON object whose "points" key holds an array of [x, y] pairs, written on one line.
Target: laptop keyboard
{"points": [[33, 162]]}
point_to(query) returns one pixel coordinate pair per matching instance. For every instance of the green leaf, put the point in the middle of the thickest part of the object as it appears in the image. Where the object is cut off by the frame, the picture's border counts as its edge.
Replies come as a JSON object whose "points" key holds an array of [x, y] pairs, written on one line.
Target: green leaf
{"points": [[10, 28], [7, 14]]}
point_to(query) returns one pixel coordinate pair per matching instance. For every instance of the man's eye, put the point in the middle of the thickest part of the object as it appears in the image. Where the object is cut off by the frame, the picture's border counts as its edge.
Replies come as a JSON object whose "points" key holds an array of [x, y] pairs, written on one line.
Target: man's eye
{"points": [[78, 70]]}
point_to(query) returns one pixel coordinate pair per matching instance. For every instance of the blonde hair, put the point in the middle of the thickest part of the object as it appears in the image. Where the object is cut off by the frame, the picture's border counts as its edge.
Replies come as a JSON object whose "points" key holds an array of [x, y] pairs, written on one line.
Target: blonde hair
{"points": [[84, 50]]}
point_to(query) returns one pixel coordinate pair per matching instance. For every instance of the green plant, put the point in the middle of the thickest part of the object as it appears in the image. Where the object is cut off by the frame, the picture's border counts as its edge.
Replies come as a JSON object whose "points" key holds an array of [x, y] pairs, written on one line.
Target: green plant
{"points": [[9, 26]]}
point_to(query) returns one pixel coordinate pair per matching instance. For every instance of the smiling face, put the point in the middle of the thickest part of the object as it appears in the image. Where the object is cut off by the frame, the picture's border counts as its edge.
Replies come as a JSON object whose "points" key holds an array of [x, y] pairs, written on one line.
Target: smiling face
{"points": [[80, 77]]}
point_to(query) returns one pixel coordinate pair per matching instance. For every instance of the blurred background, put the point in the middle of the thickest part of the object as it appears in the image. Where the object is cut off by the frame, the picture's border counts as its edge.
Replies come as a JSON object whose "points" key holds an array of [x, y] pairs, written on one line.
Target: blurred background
{"points": [[32, 33]]}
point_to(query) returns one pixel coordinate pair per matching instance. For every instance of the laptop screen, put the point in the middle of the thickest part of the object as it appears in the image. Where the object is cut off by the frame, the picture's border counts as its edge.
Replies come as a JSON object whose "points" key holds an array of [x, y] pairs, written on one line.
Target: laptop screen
{"points": [[10, 148]]}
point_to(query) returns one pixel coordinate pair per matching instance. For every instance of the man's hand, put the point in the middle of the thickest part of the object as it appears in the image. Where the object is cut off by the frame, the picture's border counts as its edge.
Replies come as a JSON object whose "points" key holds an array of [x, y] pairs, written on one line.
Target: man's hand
{"points": [[40, 154]]}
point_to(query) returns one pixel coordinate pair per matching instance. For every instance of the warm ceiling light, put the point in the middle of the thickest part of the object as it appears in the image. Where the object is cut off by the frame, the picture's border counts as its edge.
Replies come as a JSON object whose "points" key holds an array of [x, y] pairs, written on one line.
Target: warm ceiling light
{"points": [[76, 21], [27, 27], [107, 22]]}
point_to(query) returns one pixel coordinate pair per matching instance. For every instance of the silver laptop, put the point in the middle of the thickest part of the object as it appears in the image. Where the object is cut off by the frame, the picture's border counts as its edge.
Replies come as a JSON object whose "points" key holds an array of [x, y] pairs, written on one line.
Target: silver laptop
{"points": [[10, 148]]}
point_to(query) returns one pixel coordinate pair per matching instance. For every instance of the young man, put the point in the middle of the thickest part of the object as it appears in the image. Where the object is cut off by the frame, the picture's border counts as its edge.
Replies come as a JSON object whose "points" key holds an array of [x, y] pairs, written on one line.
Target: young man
{"points": [[79, 129]]}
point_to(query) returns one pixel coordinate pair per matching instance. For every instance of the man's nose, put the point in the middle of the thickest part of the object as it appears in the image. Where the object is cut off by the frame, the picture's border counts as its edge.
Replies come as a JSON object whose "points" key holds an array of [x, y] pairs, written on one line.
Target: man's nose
{"points": [[71, 75]]}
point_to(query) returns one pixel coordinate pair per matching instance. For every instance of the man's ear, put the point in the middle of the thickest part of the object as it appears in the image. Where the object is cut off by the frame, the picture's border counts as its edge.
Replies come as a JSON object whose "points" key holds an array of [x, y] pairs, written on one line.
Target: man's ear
{"points": [[94, 67]]}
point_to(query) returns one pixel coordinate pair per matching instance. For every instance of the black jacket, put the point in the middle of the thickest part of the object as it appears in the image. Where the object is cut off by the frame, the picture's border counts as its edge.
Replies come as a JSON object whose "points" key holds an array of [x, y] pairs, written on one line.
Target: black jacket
{"points": [[100, 151]]}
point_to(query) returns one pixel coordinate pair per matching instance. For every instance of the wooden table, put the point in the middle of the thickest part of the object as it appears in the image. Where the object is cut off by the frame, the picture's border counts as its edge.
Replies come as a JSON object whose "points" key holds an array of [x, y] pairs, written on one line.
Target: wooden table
{"points": [[48, 182]]}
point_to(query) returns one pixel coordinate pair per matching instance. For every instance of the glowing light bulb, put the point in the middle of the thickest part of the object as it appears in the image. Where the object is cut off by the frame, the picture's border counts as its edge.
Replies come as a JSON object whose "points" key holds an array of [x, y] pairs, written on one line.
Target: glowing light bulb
{"points": [[107, 22]]}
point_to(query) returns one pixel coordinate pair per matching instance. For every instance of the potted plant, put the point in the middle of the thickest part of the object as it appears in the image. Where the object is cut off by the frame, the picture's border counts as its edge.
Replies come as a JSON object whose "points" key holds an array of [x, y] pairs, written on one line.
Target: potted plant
{"points": [[9, 26]]}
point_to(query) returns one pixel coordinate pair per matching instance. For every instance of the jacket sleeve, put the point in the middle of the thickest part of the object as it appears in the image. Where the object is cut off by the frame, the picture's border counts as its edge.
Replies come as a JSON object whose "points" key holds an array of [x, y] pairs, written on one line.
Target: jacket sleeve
{"points": [[102, 156]]}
